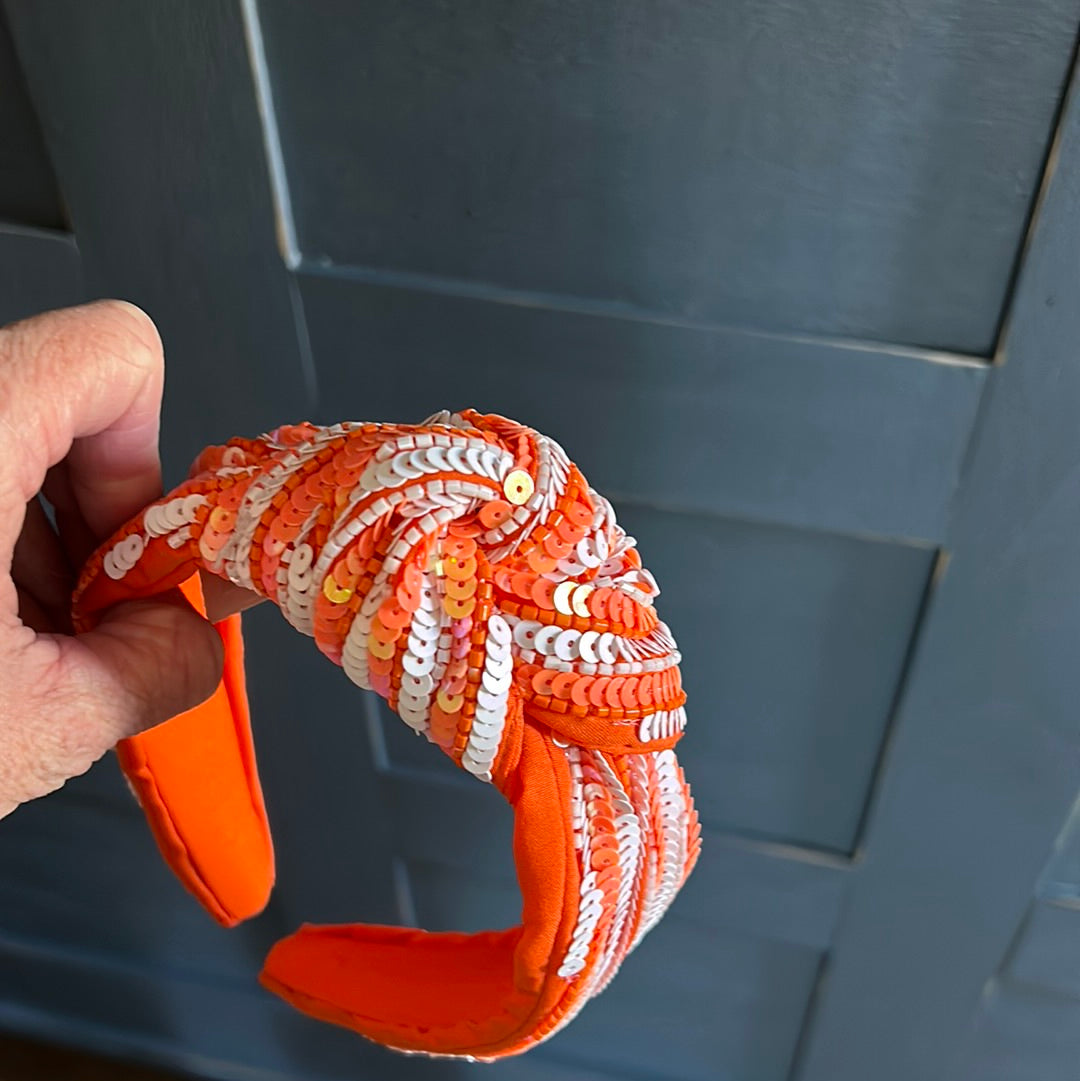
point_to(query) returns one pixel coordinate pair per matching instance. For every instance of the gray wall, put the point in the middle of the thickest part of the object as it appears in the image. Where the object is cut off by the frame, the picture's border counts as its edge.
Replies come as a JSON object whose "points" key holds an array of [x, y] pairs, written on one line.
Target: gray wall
{"points": [[794, 256]]}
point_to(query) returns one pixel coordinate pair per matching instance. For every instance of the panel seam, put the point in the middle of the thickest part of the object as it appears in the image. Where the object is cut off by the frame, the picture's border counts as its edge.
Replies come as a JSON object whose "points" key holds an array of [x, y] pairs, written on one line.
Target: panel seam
{"points": [[284, 222]]}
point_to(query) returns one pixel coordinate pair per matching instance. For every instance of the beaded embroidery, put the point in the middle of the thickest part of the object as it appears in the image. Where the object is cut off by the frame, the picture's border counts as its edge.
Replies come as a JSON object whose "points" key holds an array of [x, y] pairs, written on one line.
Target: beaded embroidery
{"points": [[464, 570]]}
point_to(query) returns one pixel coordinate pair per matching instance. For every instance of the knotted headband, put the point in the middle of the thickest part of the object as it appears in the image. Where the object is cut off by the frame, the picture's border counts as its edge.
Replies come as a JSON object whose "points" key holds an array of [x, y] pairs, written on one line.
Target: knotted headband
{"points": [[464, 570]]}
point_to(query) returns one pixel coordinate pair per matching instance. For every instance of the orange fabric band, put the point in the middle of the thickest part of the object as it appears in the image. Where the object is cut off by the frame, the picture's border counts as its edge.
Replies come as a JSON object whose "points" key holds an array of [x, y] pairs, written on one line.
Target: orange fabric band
{"points": [[463, 569]]}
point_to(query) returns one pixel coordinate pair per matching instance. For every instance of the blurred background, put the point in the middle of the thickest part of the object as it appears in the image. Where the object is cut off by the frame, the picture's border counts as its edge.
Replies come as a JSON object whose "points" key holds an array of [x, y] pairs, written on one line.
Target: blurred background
{"points": [[798, 285]]}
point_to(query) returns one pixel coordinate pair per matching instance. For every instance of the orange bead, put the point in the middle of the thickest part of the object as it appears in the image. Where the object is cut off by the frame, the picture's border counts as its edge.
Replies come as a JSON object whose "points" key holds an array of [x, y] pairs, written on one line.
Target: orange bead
{"points": [[600, 858], [556, 547], [392, 614], [580, 514], [569, 531], [495, 513], [563, 683], [461, 590], [462, 548], [459, 609], [541, 562], [543, 593], [380, 650], [598, 600], [384, 634], [543, 680], [459, 569], [231, 497], [598, 691], [615, 603], [579, 692], [611, 693]]}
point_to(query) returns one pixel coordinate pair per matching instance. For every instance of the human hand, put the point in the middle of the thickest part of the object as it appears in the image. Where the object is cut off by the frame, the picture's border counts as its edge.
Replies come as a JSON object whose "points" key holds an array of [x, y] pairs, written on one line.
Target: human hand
{"points": [[80, 393]]}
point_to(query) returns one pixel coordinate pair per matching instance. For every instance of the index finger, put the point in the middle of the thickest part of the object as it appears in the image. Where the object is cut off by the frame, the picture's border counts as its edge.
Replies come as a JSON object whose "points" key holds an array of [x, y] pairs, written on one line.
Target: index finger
{"points": [[87, 382]]}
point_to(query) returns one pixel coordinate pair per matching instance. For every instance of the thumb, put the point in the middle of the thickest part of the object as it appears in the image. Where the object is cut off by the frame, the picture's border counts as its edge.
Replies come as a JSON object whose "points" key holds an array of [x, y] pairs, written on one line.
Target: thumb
{"points": [[147, 661], [72, 699]]}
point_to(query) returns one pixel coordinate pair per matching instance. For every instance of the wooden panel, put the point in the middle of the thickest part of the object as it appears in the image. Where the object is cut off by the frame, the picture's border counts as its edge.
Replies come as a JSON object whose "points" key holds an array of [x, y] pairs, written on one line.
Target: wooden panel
{"points": [[983, 768], [793, 645], [1060, 880], [213, 1029], [161, 161], [753, 426], [454, 899], [80, 870], [931, 125], [39, 269], [458, 830], [1021, 1034], [1047, 950], [696, 1007], [730, 1003], [28, 192], [203, 1028], [856, 168]]}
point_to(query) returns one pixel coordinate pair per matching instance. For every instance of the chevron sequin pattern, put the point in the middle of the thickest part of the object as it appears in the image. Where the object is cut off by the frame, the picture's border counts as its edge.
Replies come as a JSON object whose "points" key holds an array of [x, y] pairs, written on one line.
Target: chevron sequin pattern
{"points": [[464, 570]]}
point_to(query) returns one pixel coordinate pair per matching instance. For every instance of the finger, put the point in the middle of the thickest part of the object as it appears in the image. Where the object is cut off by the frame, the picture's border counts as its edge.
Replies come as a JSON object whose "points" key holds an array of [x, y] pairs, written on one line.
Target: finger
{"points": [[224, 599], [146, 661], [86, 381], [40, 567], [76, 537]]}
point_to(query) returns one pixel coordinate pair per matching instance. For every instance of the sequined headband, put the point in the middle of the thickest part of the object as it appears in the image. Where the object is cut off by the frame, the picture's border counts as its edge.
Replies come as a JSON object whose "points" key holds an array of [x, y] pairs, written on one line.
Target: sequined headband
{"points": [[464, 570]]}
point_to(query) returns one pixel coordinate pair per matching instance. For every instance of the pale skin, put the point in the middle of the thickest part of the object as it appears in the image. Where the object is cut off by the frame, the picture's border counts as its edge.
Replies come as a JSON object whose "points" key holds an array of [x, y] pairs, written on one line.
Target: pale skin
{"points": [[80, 395]]}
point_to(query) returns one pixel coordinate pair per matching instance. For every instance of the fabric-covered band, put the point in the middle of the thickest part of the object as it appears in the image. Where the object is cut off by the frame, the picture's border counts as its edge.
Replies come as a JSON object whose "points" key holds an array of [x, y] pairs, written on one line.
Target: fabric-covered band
{"points": [[463, 569]]}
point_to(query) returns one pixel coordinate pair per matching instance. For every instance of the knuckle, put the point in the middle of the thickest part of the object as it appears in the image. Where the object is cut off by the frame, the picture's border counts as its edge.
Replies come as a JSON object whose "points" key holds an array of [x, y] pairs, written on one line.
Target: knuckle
{"points": [[69, 733], [51, 748], [53, 722]]}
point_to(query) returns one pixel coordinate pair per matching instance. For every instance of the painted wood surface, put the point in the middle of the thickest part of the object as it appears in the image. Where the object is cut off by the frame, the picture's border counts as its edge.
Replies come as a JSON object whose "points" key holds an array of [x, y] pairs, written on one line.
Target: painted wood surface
{"points": [[858, 169], [747, 262], [28, 191], [39, 269], [987, 748], [763, 427]]}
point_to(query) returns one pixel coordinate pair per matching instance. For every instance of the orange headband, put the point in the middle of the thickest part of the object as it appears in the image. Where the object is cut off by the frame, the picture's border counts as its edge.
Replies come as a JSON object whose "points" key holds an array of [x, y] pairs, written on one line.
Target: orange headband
{"points": [[464, 570]]}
